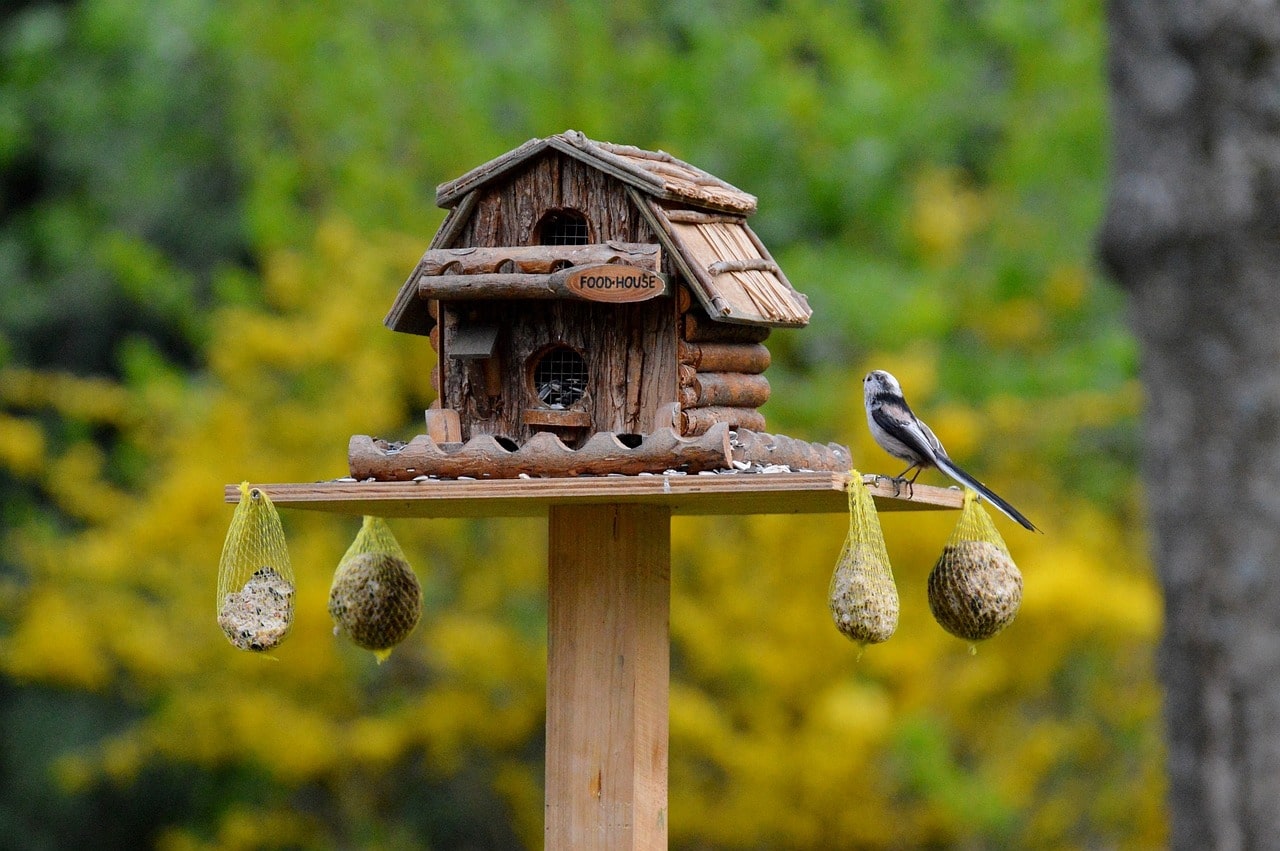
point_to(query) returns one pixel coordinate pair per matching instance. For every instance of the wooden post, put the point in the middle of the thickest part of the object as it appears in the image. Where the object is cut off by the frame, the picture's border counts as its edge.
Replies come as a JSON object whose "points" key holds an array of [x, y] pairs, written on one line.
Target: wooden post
{"points": [[609, 586]]}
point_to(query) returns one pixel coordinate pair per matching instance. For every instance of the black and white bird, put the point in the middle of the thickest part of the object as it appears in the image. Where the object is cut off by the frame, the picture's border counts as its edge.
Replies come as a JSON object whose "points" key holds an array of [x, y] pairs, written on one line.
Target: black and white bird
{"points": [[903, 435]]}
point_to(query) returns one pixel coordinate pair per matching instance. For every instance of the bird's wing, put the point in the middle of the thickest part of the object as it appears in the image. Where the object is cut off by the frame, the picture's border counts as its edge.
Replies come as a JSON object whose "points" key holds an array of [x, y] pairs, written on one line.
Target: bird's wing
{"points": [[931, 438], [899, 423]]}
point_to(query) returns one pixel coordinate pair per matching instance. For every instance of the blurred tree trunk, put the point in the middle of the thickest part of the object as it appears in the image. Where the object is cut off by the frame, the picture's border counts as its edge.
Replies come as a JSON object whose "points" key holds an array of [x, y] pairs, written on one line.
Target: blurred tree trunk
{"points": [[1193, 232]]}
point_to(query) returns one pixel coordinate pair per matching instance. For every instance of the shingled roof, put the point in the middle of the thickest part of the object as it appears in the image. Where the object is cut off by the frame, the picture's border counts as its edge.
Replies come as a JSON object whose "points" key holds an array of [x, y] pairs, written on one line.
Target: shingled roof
{"points": [[654, 173]]}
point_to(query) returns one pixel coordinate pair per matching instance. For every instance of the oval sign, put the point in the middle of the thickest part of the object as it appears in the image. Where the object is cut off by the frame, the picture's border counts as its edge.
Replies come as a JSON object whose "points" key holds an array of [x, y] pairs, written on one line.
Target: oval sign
{"points": [[615, 283]]}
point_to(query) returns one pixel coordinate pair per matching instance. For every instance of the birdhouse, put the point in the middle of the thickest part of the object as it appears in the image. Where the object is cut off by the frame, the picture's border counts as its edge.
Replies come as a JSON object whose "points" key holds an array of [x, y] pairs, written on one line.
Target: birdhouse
{"points": [[598, 310], [594, 308]]}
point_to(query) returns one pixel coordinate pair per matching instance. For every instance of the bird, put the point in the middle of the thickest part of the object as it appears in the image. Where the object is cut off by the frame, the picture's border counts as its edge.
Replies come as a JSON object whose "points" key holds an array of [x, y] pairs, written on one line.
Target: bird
{"points": [[902, 434]]}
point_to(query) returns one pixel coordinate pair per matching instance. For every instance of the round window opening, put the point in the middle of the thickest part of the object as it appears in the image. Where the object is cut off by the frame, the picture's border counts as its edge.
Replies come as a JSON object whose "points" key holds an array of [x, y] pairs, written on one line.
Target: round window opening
{"points": [[560, 377]]}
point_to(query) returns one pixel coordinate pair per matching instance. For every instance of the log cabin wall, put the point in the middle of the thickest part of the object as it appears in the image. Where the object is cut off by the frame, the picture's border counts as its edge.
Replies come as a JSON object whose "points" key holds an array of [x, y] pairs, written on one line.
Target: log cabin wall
{"points": [[721, 372], [629, 349]]}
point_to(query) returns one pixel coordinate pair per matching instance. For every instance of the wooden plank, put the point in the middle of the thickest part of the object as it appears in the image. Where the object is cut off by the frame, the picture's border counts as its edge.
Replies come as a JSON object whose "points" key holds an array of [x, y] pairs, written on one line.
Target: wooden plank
{"points": [[609, 588], [744, 493], [444, 425]]}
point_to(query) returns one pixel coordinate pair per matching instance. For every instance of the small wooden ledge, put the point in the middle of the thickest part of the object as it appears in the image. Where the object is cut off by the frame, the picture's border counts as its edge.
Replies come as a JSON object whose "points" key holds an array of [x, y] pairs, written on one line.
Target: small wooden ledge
{"points": [[719, 493]]}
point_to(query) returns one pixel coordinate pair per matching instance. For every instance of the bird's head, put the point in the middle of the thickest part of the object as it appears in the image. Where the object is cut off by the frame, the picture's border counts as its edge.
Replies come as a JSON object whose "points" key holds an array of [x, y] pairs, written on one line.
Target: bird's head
{"points": [[878, 382]]}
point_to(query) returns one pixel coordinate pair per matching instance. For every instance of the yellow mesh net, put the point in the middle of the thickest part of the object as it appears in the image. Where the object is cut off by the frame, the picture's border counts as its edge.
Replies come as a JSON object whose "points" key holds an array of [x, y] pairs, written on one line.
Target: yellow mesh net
{"points": [[375, 599], [862, 594], [255, 578], [975, 589]]}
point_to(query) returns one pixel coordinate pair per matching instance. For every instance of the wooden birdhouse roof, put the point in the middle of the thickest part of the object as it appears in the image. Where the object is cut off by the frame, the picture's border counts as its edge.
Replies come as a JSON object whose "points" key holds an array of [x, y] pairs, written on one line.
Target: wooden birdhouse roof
{"points": [[655, 173], [699, 220]]}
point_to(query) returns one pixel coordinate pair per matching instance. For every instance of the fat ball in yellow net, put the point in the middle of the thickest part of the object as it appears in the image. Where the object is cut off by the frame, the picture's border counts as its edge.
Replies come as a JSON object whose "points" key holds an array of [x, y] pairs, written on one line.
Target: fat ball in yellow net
{"points": [[975, 589], [862, 594], [375, 599], [255, 578]]}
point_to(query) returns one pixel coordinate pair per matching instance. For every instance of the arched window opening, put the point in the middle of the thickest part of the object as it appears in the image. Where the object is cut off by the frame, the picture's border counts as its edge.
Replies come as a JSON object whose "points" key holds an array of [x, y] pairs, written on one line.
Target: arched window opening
{"points": [[559, 377], [563, 227]]}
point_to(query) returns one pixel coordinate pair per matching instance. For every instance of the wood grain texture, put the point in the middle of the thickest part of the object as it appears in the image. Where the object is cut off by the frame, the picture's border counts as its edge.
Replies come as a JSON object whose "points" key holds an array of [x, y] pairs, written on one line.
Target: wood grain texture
{"points": [[698, 328], [749, 358], [694, 421], [542, 455], [731, 271], [629, 348], [537, 259], [443, 425], [515, 286], [732, 389], [657, 173], [758, 448], [609, 586], [744, 493]]}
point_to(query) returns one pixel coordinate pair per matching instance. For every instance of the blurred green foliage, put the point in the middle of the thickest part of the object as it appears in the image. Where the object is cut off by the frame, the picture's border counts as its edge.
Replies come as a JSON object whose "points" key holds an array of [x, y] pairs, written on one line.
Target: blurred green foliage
{"points": [[206, 208]]}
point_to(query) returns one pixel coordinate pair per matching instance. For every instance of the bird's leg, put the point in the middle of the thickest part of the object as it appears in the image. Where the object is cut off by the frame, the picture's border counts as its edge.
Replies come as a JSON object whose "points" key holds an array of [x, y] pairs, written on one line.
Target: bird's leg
{"points": [[902, 477]]}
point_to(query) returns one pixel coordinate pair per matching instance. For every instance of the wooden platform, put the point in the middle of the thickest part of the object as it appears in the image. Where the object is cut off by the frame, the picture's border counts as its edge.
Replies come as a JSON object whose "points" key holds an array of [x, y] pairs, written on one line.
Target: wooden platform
{"points": [[743, 493]]}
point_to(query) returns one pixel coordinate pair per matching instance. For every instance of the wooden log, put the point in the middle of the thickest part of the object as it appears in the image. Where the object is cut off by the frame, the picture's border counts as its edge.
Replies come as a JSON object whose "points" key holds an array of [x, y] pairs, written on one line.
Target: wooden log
{"points": [[731, 389], [696, 421], [759, 264], [544, 454], [537, 259], [608, 674], [748, 358], [686, 374], [506, 286], [697, 217], [700, 329], [757, 448], [684, 300]]}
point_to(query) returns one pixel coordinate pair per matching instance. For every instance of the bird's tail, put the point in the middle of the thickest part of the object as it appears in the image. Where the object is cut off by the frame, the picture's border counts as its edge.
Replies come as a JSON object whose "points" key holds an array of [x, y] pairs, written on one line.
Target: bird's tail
{"points": [[949, 467]]}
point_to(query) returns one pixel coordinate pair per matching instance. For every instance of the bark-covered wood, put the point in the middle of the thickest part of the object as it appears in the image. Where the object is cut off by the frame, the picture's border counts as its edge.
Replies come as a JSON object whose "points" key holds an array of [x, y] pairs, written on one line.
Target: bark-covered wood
{"points": [[629, 350], [759, 264], [509, 213], [758, 448], [734, 389], [699, 217], [695, 421], [699, 329], [513, 286], [537, 259], [542, 455], [749, 358], [1192, 231]]}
